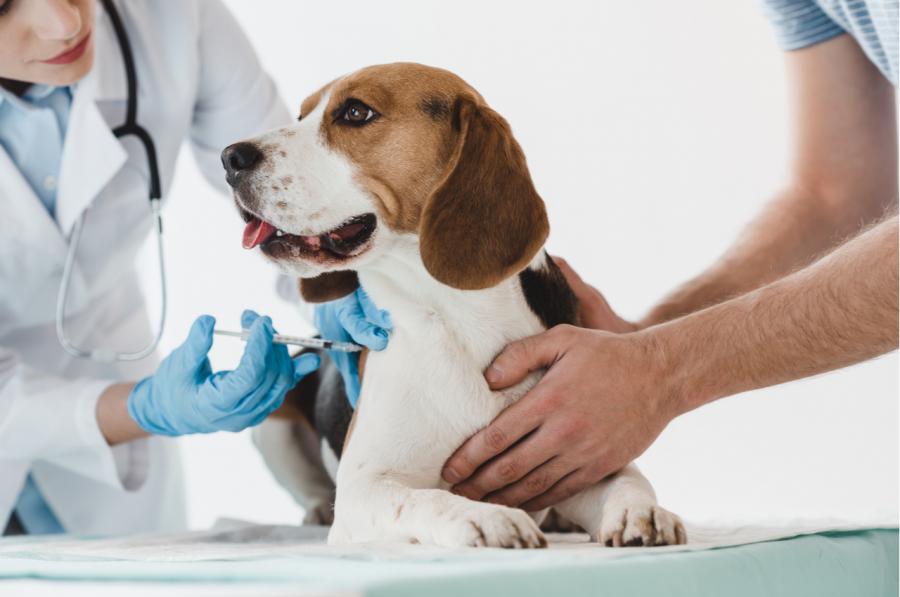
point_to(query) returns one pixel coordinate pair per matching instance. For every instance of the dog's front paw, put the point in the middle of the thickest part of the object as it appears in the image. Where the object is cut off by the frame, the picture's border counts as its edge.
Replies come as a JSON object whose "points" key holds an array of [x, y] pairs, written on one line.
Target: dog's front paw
{"points": [[635, 526], [487, 525]]}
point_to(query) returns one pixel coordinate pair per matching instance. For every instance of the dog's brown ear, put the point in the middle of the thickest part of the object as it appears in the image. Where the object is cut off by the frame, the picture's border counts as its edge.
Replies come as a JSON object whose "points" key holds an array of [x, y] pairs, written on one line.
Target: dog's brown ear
{"points": [[485, 220], [328, 286]]}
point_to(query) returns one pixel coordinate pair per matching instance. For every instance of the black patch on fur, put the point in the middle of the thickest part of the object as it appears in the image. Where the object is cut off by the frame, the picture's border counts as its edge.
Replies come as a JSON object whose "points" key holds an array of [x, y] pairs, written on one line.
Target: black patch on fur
{"points": [[435, 107], [549, 295], [321, 398], [332, 412], [303, 395]]}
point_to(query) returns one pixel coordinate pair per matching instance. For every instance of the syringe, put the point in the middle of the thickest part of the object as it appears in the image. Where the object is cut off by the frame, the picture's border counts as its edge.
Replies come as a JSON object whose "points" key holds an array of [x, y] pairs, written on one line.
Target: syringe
{"points": [[298, 341]]}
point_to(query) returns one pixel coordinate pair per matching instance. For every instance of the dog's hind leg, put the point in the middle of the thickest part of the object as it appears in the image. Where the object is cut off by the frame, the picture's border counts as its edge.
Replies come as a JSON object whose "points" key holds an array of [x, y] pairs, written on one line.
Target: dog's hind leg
{"points": [[621, 511], [291, 450]]}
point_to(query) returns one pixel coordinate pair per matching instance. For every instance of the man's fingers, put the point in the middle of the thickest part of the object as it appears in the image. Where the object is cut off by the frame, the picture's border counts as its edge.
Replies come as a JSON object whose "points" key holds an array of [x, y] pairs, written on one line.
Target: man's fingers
{"points": [[593, 306], [509, 467], [570, 274], [520, 358], [565, 488], [508, 428], [533, 484], [583, 291]]}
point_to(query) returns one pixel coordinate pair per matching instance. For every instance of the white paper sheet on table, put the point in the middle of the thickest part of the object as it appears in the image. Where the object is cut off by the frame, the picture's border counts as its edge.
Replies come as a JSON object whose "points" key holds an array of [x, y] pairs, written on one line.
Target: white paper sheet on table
{"points": [[234, 540]]}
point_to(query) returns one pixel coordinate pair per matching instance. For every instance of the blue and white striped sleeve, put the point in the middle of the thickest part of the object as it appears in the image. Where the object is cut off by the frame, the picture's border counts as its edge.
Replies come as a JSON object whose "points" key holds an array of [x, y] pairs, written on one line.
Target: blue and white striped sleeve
{"points": [[799, 23]]}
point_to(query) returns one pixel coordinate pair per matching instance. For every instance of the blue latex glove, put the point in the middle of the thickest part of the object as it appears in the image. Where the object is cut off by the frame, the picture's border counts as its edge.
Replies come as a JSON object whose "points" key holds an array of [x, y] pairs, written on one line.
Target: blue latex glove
{"points": [[353, 318], [185, 396]]}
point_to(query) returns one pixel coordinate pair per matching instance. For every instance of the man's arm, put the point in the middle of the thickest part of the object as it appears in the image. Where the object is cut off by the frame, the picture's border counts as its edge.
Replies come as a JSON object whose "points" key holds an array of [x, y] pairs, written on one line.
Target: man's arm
{"points": [[843, 177], [839, 311], [606, 397]]}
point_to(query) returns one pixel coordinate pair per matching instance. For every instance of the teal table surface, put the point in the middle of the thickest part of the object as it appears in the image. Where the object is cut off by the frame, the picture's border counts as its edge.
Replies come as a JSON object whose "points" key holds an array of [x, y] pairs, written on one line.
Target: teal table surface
{"points": [[861, 562]]}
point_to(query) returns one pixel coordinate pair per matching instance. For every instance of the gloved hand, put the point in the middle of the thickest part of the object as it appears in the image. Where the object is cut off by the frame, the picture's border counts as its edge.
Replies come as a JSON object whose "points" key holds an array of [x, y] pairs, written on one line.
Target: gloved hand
{"points": [[353, 318], [185, 396]]}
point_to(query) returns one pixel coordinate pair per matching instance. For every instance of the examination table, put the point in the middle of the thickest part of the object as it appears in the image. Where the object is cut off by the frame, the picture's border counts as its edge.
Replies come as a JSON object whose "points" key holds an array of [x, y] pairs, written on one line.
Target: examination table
{"points": [[820, 559]]}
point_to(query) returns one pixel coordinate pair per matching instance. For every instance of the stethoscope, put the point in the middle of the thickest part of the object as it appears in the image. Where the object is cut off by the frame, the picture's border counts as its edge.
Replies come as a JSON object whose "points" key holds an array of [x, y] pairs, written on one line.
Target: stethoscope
{"points": [[130, 127]]}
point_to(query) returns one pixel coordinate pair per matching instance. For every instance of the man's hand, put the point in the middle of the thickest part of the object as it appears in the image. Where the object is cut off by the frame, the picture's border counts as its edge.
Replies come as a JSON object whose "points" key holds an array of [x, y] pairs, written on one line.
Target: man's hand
{"points": [[606, 397], [593, 309], [600, 405]]}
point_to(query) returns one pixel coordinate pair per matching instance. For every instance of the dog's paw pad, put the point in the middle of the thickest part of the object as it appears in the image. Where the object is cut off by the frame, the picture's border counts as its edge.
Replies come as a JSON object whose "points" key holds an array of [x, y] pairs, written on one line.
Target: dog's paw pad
{"points": [[641, 526], [487, 525]]}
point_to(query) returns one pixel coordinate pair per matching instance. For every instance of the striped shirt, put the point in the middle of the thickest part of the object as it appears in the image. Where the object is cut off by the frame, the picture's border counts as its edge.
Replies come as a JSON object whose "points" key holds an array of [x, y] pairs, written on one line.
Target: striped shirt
{"points": [[873, 23]]}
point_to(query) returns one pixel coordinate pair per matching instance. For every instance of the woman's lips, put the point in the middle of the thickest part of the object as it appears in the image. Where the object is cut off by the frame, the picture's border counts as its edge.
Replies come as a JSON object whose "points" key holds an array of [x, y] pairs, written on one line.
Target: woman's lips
{"points": [[70, 56]]}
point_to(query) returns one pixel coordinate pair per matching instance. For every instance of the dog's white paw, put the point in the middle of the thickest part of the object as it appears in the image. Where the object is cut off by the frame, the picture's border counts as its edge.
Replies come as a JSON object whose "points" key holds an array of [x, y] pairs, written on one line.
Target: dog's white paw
{"points": [[487, 525], [640, 525]]}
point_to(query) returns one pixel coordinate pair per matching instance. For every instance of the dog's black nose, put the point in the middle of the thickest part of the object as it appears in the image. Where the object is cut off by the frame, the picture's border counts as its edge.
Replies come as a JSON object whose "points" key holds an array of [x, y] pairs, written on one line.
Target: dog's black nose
{"points": [[240, 157]]}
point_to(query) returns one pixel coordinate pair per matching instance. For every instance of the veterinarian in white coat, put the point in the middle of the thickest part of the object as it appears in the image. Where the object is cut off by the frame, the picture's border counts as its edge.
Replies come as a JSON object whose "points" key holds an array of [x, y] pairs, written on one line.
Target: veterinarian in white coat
{"points": [[77, 450]]}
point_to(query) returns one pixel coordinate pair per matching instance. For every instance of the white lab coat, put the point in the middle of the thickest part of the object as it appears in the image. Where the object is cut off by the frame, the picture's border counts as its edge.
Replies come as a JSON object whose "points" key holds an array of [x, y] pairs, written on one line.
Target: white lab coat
{"points": [[198, 78]]}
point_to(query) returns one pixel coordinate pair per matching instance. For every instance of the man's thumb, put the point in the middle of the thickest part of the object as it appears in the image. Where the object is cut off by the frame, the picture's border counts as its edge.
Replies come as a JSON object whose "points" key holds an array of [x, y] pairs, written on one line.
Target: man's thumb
{"points": [[520, 358]]}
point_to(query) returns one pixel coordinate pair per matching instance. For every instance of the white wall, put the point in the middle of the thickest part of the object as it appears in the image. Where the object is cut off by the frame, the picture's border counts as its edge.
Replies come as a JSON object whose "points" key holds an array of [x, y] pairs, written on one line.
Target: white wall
{"points": [[654, 131]]}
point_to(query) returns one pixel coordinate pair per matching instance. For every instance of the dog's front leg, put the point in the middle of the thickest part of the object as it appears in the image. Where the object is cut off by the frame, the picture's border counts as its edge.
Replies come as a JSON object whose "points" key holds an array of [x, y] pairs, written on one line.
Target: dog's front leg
{"points": [[622, 511], [383, 507]]}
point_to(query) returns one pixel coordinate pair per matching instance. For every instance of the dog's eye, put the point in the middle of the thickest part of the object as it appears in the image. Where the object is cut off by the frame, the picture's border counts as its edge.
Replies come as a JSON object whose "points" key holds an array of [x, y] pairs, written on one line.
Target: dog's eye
{"points": [[356, 113]]}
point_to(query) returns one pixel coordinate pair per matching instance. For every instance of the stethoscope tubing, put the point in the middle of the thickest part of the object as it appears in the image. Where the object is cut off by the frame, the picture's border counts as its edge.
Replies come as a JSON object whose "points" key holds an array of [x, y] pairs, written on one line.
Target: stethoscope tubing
{"points": [[129, 127]]}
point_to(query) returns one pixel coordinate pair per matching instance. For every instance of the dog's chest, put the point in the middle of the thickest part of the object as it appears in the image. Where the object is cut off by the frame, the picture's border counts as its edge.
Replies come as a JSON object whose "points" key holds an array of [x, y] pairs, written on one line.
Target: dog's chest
{"points": [[425, 393]]}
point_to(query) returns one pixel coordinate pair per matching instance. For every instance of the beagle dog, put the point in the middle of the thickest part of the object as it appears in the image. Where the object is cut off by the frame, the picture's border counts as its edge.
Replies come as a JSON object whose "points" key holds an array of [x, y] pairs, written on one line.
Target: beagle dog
{"points": [[402, 178]]}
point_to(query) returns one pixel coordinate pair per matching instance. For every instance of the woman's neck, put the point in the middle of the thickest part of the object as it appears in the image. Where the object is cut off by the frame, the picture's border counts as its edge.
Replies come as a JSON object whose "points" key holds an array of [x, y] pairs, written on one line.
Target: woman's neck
{"points": [[17, 87]]}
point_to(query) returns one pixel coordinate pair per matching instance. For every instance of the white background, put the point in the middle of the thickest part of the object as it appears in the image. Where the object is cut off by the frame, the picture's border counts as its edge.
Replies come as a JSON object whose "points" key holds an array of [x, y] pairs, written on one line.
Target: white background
{"points": [[654, 131]]}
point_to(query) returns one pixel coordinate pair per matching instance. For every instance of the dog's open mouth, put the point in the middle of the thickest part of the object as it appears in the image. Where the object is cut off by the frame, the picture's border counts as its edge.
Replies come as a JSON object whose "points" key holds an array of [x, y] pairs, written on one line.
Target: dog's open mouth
{"points": [[341, 242]]}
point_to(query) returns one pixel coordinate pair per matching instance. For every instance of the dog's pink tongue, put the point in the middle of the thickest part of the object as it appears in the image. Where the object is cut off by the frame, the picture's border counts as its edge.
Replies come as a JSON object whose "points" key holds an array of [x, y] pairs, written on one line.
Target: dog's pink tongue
{"points": [[256, 232]]}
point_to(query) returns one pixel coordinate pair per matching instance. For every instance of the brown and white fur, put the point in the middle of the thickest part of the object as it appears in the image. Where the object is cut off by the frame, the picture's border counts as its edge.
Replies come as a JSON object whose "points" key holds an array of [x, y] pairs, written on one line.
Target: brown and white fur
{"points": [[454, 253]]}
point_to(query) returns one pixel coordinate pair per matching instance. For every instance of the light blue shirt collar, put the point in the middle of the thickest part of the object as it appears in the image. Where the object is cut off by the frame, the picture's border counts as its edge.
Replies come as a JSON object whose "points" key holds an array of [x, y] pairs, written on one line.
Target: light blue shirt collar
{"points": [[32, 95]]}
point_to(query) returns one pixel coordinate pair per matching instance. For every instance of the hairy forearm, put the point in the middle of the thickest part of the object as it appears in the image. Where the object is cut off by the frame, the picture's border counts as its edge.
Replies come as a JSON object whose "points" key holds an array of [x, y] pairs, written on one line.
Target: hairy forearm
{"points": [[115, 423], [842, 177], [836, 312], [794, 229]]}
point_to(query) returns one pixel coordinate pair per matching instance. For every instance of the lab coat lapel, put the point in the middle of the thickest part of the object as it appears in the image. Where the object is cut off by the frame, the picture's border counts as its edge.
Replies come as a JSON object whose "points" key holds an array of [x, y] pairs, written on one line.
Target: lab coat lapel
{"points": [[92, 155]]}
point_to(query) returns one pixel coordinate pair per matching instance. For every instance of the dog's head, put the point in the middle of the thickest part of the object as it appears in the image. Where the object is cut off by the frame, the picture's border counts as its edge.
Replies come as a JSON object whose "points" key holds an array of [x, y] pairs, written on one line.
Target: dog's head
{"points": [[385, 152]]}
